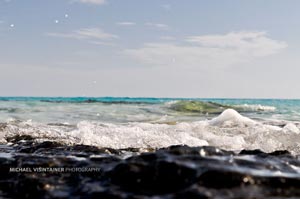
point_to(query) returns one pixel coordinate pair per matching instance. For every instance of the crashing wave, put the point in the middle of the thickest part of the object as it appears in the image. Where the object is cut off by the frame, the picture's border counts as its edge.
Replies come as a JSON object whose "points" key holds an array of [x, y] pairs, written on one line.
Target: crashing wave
{"points": [[198, 107], [213, 107], [229, 130], [254, 107]]}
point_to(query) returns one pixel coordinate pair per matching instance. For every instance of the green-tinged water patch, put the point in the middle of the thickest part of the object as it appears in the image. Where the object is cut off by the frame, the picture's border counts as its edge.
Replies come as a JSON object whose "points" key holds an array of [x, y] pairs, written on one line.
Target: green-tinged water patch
{"points": [[199, 107]]}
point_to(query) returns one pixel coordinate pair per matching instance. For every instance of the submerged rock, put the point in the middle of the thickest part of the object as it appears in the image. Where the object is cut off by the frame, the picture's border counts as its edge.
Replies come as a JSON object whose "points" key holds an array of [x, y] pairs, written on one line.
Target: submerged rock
{"points": [[173, 172]]}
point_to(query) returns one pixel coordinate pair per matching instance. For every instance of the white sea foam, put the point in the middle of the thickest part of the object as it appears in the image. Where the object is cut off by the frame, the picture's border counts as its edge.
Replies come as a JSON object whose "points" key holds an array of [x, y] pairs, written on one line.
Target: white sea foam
{"points": [[172, 102], [255, 107], [140, 135], [231, 117], [229, 130], [290, 127]]}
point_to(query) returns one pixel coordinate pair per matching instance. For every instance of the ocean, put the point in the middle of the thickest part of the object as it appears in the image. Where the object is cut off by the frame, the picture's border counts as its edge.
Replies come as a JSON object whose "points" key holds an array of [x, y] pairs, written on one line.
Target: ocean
{"points": [[155, 122], [149, 148]]}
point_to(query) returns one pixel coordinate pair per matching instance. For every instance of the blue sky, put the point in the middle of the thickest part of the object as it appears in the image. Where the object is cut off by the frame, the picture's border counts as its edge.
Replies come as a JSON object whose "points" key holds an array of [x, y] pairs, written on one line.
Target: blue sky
{"points": [[157, 48]]}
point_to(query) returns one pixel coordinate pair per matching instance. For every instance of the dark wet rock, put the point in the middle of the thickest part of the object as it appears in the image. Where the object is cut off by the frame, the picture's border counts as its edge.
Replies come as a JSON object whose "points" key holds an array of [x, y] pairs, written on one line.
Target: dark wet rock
{"points": [[261, 153], [277, 153], [252, 152], [175, 172], [221, 179], [193, 194], [185, 150], [17, 138], [153, 176], [35, 147]]}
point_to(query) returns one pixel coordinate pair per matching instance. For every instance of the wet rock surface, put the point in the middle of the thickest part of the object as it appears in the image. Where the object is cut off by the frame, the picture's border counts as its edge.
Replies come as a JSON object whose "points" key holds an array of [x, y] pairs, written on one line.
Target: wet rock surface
{"points": [[174, 172]]}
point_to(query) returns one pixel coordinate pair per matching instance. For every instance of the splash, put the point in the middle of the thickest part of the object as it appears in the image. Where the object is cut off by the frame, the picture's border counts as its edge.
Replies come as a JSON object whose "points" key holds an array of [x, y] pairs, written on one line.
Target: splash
{"points": [[229, 130]]}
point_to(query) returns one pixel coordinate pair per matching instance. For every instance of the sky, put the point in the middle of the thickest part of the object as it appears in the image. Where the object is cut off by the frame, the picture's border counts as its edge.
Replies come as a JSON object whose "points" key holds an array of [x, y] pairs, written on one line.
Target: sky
{"points": [[157, 48]]}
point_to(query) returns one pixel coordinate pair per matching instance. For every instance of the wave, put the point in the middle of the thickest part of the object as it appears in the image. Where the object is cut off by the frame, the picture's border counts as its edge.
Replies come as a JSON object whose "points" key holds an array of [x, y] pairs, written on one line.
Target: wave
{"points": [[197, 107], [229, 130], [254, 107], [214, 108]]}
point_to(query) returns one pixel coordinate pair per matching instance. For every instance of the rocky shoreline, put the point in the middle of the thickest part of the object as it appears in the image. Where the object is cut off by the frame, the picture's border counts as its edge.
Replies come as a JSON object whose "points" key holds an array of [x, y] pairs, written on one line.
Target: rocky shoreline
{"points": [[50, 170]]}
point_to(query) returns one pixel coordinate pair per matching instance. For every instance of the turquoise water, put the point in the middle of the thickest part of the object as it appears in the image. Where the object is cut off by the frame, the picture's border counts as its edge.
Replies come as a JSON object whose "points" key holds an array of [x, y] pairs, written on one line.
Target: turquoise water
{"points": [[233, 124], [124, 109]]}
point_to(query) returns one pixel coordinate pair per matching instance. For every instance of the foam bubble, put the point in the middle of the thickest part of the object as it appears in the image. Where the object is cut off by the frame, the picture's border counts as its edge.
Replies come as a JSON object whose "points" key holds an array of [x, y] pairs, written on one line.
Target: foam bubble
{"points": [[231, 117]]}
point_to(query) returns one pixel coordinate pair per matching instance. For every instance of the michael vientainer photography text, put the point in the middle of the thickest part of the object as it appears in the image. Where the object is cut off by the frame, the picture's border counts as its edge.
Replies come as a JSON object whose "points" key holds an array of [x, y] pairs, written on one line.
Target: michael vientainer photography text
{"points": [[53, 169]]}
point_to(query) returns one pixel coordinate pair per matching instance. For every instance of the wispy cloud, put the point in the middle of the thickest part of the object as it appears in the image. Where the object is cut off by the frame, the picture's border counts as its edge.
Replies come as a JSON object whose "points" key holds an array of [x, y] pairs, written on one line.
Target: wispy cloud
{"points": [[97, 2], [208, 50], [158, 25], [102, 43], [256, 43], [126, 23], [91, 34]]}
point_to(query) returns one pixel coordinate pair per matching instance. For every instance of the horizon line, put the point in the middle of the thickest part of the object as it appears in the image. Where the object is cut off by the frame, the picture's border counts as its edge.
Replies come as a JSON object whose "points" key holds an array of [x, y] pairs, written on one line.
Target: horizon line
{"points": [[144, 97]]}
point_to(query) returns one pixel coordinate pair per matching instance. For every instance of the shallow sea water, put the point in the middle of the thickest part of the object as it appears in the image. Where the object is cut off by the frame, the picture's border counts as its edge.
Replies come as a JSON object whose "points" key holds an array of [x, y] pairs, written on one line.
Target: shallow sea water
{"points": [[150, 148]]}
